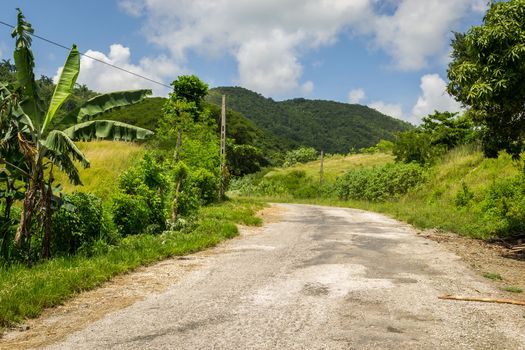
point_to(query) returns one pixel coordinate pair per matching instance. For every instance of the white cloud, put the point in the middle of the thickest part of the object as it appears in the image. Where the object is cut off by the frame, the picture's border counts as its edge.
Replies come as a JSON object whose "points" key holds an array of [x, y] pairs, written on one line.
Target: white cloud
{"points": [[434, 97], [480, 6], [391, 109], [269, 38], [356, 95], [307, 88], [418, 30], [103, 78]]}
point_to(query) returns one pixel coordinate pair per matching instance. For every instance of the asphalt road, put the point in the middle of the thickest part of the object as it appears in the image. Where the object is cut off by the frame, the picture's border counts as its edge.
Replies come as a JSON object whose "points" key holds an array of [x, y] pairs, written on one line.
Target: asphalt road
{"points": [[322, 278]]}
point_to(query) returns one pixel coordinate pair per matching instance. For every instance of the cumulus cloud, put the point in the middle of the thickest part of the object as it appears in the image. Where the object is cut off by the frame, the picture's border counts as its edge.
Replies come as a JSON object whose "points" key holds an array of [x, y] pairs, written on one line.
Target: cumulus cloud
{"points": [[356, 95], [103, 78], [434, 97], [269, 38], [391, 109], [417, 30]]}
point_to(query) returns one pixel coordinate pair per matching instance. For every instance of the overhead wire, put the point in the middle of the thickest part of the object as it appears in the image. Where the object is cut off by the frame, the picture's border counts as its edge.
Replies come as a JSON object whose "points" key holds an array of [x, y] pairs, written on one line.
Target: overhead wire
{"points": [[91, 57]]}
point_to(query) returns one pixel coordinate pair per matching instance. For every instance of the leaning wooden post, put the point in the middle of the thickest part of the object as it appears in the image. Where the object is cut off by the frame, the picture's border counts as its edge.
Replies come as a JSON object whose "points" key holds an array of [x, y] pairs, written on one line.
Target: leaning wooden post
{"points": [[222, 188]]}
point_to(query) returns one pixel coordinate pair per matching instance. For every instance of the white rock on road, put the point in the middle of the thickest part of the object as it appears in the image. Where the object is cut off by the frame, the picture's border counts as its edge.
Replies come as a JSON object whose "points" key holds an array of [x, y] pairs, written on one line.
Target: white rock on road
{"points": [[322, 278]]}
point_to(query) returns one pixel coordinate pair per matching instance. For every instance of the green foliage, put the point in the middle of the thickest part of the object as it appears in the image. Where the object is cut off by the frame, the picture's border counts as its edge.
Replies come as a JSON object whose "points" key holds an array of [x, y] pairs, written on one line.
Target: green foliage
{"points": [[503, 206], [130, 213], [26, 291], [300, 155], [140, 207], [291, 184], [205, 184], [244, 159], [380, 183], [439, 133], [190, 88], [324, 125], [416, 146], [492, 276], [78, 223], [487, 75]]}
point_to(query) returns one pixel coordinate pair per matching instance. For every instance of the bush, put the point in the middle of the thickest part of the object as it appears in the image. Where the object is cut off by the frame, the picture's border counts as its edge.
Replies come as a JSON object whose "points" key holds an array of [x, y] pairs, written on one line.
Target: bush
{"points": [[379, 183], [78, 223], [205, 184], [503, 206], [300, 155], [140, 206], [130, 213]]}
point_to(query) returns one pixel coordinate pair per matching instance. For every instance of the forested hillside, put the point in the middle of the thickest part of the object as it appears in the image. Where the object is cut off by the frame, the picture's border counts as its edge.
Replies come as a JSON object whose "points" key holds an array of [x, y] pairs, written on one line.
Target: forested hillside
{"points": [[240, 130], [325, 125]]}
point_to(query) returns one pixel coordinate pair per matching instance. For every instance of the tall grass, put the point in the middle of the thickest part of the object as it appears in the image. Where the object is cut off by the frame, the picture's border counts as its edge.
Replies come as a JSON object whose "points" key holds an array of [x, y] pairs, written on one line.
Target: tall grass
{"points": [[464, 193], [108, 160], [26, 291]]}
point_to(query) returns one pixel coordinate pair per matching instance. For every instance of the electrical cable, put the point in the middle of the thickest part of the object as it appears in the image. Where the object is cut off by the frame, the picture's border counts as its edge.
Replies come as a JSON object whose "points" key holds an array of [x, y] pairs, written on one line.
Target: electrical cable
{"points": [[93, 58]]}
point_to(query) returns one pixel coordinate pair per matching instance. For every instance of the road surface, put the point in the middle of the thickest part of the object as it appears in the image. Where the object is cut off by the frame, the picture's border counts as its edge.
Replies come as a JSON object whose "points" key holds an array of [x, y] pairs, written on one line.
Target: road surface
{"points": [[322, 278]]}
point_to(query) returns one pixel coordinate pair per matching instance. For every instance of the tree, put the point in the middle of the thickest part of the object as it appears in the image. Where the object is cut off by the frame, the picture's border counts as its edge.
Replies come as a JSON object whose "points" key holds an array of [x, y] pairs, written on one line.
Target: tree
{"points": [[44, 146], [487, 74]]}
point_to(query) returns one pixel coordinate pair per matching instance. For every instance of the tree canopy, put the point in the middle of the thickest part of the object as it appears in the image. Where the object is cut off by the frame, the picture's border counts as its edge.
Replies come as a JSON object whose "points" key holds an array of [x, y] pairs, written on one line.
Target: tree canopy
{"points": [[487, 74]]}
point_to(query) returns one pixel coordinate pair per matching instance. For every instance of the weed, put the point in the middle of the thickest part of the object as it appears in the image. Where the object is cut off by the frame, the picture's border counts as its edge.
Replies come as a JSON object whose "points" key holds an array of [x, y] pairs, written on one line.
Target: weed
{"points": [[512, 289], [492, 276]]}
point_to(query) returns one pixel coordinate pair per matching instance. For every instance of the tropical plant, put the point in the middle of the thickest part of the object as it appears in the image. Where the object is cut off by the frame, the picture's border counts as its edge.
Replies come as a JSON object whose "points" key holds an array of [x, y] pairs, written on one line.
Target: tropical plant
{"points": [[487, 74], [43, 146]]}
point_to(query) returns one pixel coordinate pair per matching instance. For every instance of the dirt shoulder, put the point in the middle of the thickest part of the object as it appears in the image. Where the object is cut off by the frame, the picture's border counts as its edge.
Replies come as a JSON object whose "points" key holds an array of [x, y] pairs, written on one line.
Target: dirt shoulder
{"points": [[490, 259], [56, 323]]}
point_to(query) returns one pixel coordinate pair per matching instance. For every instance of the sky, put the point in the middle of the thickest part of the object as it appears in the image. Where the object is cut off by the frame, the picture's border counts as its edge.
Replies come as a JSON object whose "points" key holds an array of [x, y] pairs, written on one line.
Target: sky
{"points": [[391, 55]]}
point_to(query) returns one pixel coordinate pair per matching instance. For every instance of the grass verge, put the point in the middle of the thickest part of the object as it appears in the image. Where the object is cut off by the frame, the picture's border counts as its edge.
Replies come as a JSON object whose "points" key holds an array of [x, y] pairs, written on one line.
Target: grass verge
{"points": [[26, 291]]}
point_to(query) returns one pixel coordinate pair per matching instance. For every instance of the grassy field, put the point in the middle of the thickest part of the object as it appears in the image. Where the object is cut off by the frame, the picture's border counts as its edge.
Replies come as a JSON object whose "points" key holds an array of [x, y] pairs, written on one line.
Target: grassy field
{"points": [[461, 175], [336, 165], [108, 160], [26, 291]]}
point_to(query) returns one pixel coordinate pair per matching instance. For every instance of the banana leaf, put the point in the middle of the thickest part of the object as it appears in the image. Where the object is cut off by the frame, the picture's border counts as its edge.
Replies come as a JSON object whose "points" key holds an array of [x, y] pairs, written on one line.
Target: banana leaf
{"points": [[25, 62], [104, 103], [65, 85], [61, 149], [106, 130]]}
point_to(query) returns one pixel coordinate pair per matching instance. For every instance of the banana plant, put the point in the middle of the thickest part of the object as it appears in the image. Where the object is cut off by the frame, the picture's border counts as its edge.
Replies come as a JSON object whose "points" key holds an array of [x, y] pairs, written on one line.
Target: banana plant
{"points": [[44, 145]]}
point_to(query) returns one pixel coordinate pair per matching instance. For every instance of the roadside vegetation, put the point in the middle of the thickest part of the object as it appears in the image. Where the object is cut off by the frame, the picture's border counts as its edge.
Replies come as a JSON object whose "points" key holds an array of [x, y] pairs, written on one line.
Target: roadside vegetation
{"points": [[146, 195]]}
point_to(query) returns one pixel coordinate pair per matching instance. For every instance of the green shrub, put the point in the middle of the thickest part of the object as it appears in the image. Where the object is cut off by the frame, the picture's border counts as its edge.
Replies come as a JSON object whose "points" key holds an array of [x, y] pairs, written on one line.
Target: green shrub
{"points": [[78, 223], [130, 213], [503, 206], [379, 183], [300, 155], [205, 184]]}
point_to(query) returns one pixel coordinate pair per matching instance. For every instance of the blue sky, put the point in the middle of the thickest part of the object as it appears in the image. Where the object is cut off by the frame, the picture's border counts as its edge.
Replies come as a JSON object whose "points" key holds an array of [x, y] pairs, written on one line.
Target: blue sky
{"points": [[391, 54]]}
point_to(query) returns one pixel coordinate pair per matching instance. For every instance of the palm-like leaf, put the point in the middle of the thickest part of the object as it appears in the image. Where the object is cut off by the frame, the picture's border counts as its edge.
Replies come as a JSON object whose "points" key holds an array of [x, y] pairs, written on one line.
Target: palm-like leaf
{"points": [[104, 103], [25, 62], [108, 130], [65, 85], [61, 149]]}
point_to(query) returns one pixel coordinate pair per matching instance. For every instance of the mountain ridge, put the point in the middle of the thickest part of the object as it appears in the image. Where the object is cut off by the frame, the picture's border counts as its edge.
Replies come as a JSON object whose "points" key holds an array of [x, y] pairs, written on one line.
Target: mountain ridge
{"points": [[332, 126]]}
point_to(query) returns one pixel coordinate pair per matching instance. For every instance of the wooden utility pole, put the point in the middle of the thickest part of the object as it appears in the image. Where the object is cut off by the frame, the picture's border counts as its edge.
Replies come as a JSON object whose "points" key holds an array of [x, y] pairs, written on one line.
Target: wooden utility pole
{"points": [[321, 171], [223, 149]]}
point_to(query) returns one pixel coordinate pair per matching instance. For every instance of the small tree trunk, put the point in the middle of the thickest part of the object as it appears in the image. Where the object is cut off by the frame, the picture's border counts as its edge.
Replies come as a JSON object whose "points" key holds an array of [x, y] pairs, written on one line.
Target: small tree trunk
{"points": [[48, 216], [175, 207], [29, 208]]}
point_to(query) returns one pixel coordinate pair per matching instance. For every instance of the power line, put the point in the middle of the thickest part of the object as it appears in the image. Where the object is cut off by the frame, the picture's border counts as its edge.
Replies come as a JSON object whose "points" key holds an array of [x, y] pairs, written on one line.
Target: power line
{"points": [[93, 58]]}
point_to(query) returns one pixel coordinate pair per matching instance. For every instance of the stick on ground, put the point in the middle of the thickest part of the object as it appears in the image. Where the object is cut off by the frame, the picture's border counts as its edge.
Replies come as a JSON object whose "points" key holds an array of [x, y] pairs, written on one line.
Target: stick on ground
{"points": [[483, 300]]}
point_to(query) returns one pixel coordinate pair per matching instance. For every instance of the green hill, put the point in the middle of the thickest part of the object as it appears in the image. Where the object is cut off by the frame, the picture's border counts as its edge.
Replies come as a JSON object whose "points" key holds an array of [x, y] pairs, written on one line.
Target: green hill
{"points": [[146, 114], [325, 125]]}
